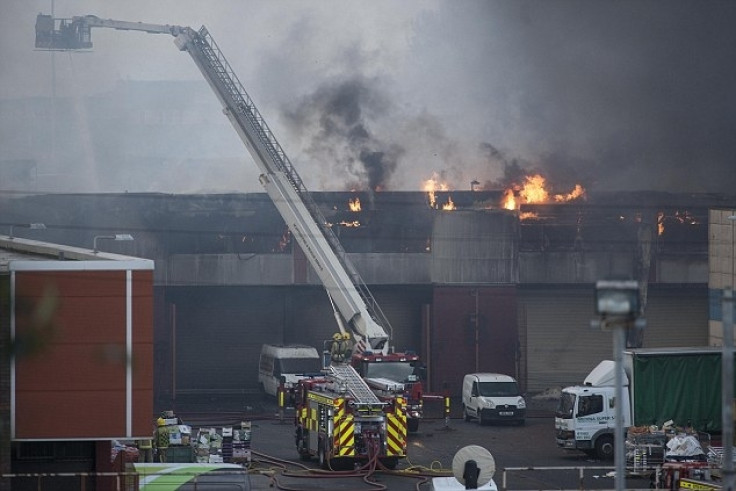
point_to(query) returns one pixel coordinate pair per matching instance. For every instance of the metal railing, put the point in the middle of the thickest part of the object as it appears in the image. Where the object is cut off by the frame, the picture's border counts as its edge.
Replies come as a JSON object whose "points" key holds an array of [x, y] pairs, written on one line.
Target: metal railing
{"points": [[581, 479]]}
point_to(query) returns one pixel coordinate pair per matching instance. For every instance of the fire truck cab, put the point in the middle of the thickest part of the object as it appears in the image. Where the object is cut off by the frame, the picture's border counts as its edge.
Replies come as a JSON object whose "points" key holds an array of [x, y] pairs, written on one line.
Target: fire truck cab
{"points": [[394, 375]]}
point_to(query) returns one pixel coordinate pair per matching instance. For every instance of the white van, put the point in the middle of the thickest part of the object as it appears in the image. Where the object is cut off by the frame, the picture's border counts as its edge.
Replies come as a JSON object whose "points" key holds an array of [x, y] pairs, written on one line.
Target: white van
{"points": [[491, 397], [288, 363]]}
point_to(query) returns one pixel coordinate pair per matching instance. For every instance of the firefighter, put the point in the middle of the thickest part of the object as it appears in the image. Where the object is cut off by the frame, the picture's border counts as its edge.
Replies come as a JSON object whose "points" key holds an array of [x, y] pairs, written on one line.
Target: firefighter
{"points": [[162, 440], [347, 346], [145, 450], [342, 347], [337, 350]]}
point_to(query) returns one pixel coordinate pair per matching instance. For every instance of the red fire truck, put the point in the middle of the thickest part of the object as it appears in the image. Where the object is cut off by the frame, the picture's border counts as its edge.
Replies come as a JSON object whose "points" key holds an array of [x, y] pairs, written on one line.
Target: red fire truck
{"points": [[342, 422]]}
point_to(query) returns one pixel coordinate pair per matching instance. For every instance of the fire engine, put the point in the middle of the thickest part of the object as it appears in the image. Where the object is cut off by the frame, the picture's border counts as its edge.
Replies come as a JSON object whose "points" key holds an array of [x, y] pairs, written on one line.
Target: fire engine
{"points": [[342, 422]]}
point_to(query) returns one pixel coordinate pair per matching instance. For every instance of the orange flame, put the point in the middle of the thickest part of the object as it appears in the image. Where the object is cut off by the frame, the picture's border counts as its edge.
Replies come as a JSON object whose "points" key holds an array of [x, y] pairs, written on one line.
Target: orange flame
{"points": [[683, 217], [509, 199], [449, 206], [431, 186], [577, 192], [660, 223], [354, 204], [533, 190]]}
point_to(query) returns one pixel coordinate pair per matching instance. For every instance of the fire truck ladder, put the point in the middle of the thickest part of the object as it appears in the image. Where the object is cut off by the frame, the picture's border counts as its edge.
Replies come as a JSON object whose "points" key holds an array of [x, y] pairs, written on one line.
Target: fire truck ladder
{"points": [[306, 222], [355, 384], [213, 62]]}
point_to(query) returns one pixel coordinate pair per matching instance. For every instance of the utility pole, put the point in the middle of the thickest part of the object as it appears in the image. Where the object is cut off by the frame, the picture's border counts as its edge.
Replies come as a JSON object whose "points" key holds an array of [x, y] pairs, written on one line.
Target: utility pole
{"points": [[618, 305]]}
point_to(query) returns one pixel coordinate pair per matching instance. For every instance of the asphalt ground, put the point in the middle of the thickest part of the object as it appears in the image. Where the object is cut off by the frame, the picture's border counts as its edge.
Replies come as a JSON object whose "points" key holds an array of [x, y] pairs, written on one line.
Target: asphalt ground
{"points": [[520, 452]]}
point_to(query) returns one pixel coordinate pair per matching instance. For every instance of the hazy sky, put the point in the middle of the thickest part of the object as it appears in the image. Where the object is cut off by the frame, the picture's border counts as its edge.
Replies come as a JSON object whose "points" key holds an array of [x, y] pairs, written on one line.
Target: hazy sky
{"points": [[614, 94]]}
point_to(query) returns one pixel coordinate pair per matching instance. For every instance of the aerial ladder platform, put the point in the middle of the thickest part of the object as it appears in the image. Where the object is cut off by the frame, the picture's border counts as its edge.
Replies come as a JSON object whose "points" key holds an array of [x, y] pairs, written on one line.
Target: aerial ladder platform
{"points": [[354, 305]]}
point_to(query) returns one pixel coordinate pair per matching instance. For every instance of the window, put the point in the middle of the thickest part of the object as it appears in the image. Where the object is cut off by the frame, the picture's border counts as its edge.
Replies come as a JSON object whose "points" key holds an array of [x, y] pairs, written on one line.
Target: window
{"points": [[590, 405]]}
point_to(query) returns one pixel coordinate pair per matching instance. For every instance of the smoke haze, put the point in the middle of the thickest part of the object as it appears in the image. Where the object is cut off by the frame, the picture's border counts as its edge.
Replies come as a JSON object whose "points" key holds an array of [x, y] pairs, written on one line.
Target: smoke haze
{"points": [[616, 95]]}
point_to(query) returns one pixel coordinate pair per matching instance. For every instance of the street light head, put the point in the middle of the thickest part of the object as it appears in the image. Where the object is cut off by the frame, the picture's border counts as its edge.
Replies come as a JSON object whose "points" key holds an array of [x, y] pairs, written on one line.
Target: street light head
{"points": [[617, 298], [109, 237]]}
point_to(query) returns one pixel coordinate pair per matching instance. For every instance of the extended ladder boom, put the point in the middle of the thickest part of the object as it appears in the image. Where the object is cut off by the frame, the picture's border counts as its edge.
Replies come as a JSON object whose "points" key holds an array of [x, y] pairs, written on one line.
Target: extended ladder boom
{"points": [[350, 295]]}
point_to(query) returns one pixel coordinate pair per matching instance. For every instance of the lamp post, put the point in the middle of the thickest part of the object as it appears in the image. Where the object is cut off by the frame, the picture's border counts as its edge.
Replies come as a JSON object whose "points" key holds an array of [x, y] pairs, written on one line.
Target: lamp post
{"points": [[617, 304], [32, 226], [109, 237]]}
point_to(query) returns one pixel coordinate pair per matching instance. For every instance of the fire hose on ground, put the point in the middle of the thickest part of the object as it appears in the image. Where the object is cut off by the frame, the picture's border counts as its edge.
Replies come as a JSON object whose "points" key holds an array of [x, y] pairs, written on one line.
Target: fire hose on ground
{"points": [[365, 472]]}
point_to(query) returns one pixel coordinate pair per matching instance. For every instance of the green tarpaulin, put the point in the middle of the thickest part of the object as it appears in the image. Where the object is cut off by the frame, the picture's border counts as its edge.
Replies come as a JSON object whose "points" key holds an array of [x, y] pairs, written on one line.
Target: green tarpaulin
{"points": [[684, 388]]}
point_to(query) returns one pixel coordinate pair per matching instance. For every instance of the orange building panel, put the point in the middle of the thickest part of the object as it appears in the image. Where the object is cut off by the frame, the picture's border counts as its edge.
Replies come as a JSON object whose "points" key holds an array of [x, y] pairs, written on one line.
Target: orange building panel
{"points": [[85, 354]]}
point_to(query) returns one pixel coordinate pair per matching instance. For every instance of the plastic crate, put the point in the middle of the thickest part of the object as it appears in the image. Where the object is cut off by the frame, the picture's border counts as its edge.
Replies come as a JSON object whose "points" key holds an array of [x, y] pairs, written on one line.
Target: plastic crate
{"points": [[183, 454]]}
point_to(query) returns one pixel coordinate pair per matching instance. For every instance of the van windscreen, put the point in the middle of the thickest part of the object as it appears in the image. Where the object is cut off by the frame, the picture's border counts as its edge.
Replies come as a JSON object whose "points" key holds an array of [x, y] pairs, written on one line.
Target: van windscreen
{"points": [[498, 389]]}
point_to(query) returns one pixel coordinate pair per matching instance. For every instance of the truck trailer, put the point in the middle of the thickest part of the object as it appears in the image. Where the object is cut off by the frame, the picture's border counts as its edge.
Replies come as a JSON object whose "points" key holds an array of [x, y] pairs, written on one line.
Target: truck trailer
{"points": [[682, 385]]}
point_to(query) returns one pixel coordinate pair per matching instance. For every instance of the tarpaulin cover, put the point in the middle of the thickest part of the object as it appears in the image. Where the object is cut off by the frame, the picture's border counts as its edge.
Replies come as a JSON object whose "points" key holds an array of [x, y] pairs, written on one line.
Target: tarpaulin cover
{"points": [[685, 388]]}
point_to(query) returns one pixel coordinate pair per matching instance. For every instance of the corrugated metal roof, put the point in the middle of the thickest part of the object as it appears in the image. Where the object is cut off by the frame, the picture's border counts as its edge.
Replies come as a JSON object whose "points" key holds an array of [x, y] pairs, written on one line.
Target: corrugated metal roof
{"points": [[16, 249]]}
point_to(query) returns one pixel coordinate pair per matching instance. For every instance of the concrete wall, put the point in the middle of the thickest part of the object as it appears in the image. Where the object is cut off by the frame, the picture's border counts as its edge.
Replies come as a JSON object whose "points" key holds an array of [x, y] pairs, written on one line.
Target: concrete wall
{"points": [[591, 266], [471, 247], [279, 269], [722, 267]]}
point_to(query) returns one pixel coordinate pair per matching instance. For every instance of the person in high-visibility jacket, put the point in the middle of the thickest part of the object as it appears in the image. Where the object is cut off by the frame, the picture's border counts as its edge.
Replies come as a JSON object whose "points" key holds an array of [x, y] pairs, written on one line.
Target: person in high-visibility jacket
{"points": [[342, 347], [347, 346], [337, 349], [162, 440], [145, 450]]}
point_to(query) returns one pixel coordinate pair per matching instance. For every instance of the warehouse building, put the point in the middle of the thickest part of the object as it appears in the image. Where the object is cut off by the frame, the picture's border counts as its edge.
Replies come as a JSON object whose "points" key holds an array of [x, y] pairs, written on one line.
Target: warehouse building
{"points": [[475, 287]]}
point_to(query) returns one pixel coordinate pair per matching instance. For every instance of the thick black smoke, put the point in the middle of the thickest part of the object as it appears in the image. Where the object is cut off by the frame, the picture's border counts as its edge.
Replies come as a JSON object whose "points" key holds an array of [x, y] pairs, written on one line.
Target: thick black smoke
{"points": [[630, 95], [561, 172], [336, 122], [614, 95]]}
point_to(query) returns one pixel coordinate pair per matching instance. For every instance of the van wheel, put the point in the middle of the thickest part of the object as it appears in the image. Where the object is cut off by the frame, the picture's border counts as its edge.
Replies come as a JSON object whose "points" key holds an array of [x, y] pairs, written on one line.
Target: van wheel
{"points": [[466, 416], [604, 447]]}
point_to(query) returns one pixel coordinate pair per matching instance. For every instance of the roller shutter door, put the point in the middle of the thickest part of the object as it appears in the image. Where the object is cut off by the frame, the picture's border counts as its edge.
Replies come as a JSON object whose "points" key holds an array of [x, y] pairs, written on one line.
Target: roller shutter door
{"points": [[218, 336], [313, 321], [560, 343], [561, 348], [677, 317], [403, 308]]}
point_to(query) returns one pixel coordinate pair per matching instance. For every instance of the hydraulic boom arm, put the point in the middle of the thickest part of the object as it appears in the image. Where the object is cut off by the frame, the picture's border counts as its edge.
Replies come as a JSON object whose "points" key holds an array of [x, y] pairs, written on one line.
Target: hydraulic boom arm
{"points": [[350, 296]]}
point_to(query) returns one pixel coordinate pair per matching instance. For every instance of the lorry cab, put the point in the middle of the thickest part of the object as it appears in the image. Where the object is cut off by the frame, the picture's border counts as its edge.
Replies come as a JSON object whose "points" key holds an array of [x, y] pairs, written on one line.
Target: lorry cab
{"points": [[488, 397], [286, 365], [585, 418]]}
